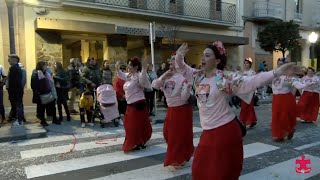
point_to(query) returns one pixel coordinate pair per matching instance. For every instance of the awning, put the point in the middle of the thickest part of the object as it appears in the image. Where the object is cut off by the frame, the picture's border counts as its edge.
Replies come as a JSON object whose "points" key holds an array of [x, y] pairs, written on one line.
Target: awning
{"points": [[194, 36], [74, 26]]}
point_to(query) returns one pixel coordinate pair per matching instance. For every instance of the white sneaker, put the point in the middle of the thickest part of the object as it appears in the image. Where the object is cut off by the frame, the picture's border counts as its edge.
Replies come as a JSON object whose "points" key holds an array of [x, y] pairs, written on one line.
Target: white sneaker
{"points": [[91, 124], [17, 124], [121, 122], [171, 168], [83, 125]]}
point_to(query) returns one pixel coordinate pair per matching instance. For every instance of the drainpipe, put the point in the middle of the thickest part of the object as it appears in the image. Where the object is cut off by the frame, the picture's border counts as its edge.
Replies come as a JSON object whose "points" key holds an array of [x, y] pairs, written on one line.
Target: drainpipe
{"points": [[285, 10], [11, 27]]}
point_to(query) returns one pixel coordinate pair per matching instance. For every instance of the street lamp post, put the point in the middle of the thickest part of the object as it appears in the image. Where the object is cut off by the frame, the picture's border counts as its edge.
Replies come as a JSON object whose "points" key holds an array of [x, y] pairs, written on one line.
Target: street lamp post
{"points": [[313, 37]]}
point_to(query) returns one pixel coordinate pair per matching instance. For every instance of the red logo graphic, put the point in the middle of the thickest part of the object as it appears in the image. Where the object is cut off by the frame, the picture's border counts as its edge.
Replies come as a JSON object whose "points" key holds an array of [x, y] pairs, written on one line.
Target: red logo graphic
{"points": [[303, 169]]}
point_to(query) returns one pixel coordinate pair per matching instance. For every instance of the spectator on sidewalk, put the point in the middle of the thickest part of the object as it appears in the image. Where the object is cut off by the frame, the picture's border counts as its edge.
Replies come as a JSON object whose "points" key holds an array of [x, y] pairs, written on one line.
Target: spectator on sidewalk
{"points": [[15, 89], [75, 83], [3, 78], [106, 73], [150, 92], [91, 74], [61, 81], [118, 87], [160, 71], [86, 108], [44, 93]]}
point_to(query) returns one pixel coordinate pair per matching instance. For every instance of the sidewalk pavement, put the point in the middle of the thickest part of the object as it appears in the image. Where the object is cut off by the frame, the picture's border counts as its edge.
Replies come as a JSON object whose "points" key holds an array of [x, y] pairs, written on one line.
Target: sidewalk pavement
{"points": [[32, 128]]}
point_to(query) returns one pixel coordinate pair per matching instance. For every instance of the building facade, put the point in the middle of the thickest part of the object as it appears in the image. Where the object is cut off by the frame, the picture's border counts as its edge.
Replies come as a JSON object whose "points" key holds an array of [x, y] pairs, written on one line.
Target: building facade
{"points": [[257, 13], [115, 30]]}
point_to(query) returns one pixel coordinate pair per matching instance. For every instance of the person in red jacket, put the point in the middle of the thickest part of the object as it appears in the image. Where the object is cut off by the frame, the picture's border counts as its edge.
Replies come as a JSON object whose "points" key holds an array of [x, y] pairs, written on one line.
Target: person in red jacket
{"points": [[118, 86]]}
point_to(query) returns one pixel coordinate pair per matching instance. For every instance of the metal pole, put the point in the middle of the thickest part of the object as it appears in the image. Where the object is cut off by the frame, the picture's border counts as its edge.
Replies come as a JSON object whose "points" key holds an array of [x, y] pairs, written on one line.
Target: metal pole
{"points": [[312, 55], [152, 39]]}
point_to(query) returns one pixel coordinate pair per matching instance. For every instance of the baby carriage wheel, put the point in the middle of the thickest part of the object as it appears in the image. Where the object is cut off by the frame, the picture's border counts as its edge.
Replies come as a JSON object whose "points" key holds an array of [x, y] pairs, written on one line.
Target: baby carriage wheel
{"points": [[116, 123]]}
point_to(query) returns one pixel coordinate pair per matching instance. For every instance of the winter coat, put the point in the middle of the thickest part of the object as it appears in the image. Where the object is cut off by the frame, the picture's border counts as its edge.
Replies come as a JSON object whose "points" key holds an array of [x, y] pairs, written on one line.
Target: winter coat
{"points": [[61, 81], [91, 74], [74, 75], [106, 76], [41, 85], [14, 85]]}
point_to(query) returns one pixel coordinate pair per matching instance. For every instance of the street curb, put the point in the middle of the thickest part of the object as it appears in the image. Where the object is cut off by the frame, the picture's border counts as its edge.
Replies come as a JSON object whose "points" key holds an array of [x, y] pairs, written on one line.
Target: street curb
{"points": [[8, 134]]}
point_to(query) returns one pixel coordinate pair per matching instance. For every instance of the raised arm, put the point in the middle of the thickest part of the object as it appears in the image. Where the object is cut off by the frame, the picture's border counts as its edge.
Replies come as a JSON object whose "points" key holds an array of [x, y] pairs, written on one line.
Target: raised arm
{"points": [[180, 65], [245, 85], [158, 83], [119, 73], [144, 80]]}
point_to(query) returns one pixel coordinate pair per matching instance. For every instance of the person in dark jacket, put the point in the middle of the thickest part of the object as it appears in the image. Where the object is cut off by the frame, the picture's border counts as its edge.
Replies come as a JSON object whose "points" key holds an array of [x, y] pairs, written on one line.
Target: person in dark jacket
{"points": [[75, 83], [61, 81], [106, 73], [91, 74], [44, 93], [15, 89], [160, 71]]}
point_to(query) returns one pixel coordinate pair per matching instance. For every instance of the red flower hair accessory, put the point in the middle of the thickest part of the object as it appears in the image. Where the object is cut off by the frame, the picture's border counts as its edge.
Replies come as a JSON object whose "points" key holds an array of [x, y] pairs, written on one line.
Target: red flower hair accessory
{"points": [[220, 47]]}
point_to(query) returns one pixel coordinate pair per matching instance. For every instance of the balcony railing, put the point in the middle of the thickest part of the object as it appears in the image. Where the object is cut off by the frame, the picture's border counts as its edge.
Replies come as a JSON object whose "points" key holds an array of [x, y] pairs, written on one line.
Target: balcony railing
{"points": [[207, 10], [264, 9], [297, 16]]}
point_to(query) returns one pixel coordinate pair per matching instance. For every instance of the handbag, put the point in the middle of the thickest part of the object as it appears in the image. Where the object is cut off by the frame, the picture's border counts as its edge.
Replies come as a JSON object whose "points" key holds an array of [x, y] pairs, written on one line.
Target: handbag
{"points": [[46, 98]]}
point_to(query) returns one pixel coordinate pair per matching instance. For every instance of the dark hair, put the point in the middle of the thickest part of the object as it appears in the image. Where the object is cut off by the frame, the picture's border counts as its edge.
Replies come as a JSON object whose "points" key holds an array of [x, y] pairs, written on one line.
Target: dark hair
{"points": [[310, 68], [90, 58], [248, 62], [40, 65], [222, 57], [14, 56], [58, 66], [135, 61]]}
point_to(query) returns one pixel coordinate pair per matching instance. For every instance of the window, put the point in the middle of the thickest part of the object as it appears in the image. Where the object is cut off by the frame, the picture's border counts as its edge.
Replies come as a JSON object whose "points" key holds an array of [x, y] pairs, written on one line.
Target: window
{"points": [[298, 4]]}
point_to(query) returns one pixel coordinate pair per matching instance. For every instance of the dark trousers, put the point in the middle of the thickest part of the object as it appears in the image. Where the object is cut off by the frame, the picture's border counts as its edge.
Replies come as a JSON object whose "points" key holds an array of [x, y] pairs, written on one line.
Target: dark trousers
{"points": [[66, 108], [150, 100], [2, 112], [50, 108], [89, 115], [16, 109]]}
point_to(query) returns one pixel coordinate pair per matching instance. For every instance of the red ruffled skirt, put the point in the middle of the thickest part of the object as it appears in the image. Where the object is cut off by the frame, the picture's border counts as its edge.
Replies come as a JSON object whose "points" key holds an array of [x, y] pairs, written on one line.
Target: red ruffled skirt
{"points": [[308, 106], [247, 113], [219, 155], [137, 127], [283, 115], [178, 134]]}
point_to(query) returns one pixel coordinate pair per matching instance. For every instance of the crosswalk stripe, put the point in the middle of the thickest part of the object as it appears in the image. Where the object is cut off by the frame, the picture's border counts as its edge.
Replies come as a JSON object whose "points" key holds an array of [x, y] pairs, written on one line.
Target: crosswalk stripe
{"points": [[285, 170], [103, 159], [155, 172], [306, 146], [86, 162], [159, 172], [83, 146], [110, 131]]}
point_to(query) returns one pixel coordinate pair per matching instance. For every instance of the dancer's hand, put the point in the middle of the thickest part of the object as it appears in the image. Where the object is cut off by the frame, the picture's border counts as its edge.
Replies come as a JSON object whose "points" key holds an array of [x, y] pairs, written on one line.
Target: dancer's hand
{"points": [[289, 69], [167, 75], [117, 66], [183, 49]]}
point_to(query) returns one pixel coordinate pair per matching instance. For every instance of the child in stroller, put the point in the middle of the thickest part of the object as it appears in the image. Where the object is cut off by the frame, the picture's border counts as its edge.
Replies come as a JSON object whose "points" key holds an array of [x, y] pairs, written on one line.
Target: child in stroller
{"points": [[106, 107]]}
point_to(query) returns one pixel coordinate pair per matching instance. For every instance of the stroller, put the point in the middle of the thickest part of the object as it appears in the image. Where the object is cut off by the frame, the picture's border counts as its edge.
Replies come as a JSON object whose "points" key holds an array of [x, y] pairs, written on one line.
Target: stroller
{"points": [[105, 105]]}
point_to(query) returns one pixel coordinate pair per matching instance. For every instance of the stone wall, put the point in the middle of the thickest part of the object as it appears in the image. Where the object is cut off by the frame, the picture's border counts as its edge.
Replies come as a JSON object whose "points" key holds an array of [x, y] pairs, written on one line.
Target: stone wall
{"points": [[48, 47]]}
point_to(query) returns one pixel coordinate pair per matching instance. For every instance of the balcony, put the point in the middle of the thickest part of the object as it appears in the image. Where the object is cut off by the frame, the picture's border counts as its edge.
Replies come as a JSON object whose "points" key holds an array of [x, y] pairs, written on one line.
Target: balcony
{"points": [[197, 11], [267, 11]]}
